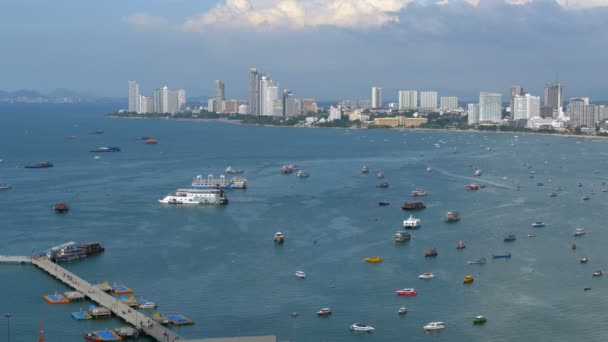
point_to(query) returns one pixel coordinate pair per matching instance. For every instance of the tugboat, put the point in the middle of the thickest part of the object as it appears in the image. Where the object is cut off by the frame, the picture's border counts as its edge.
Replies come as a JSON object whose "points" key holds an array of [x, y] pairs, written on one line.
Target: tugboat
{"points": [[452, 216], [42, 165], [402, 236], [413, 206], [279, 238], [431, 253], [382, 185], [61, 207], [364, 169], [460, 245]]}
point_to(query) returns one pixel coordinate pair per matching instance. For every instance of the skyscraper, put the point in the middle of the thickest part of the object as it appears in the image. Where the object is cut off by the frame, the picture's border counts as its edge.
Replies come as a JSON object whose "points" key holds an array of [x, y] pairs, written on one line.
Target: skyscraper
{"points": [[146, 104], [490, 107], [582, 114], [181, 100], [428, 100], [268, 93], [219, 96], [473, 113], [165, 100], [554, 98], [515, 91], [291, 107], [134, 97], [448, 102], [376, 97], [408, 99], [254, 92], [525, 107]]}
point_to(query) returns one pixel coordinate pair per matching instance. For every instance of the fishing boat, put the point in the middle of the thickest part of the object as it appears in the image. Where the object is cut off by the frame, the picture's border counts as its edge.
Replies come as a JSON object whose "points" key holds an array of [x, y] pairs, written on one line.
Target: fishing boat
{"points": [[373, 260], [402, 236], [479, 319], [364, 169], [406, 292], [432, 326], [362, 327], [411, 223], [4, 186], [452, 216], [510, 238], [583, 260], [384, 202], [426, 275], [382, 185], [479, 261], [598, 273], [579, 232], [42, 165], [402, 310], [379, 174], [279, 238], [61, 207], [300, 274], [468, 279], [431, 253], [501, 255], [418, 193], [538, 224], [413, 206], [324, 312], [460, 245], [230, 169]]}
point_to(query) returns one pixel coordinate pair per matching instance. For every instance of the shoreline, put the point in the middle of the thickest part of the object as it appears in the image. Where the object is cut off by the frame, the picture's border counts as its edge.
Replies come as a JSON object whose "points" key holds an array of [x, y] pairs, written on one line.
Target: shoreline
{"points": [[239, 122]]}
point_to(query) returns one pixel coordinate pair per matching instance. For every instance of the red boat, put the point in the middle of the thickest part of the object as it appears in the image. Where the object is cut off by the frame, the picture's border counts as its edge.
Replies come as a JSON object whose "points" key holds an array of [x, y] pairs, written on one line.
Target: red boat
{"points": [[61, 207], [431, 253], [406, 292], [151, 142], [475, 186]]}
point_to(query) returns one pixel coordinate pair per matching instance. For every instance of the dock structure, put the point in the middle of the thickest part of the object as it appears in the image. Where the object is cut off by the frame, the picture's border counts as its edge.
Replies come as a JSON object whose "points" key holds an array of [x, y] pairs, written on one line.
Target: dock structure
{"points": [[15, 259]]}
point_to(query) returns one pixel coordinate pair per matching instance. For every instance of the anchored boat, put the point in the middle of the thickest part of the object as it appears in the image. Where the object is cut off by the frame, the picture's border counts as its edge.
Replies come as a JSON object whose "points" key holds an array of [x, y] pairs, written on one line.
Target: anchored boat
{"points": [[196, 196], [220, 183]]}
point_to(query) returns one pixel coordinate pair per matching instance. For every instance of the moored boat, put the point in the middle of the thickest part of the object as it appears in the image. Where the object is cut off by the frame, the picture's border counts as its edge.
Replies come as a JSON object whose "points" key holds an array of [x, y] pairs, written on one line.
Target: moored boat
{"points": [[91, 248], [402, 236], [413, 206], [361, 327], [42, 165], [468, 279], [411, 223], [479, 319], [431, 252], [196, 196], [279, 238], [102, 336], [418, 193], [324, 312], [452, 216], [431, 326], [219, 183], [146, 304], [406, 292]]}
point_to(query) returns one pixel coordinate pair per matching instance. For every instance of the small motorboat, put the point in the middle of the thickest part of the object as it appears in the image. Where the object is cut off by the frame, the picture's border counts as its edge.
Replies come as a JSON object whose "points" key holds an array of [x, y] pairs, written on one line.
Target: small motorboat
{"points": [[584, 260], [382, 185], [300, 274], [478, 172], [230, 169], [531, 235], [418, 193], [151, 142], [302, 174], [4, 186], [431, 252], [510, 238], [429, 169], [553, 194], [324, 312], [573, 246], [61, 207], [460, 245], [538, 224], [402, 236], [384, 202], [279, 238], [586, 198], [411, 223], [426, 275], [106, 149], [479, 320], [373, 260], [502, 256], [146, 304], [406, 292], [402, 310], [579, 232], [364, 169], [598, 274], [479, 261], [361, 327], [452, 216], [468, 279], [434, 326], [379, 174]]}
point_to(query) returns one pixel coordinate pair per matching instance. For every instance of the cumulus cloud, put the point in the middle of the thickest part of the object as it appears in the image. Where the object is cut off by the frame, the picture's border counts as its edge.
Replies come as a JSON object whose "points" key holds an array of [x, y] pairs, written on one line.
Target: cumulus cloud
{"points": [[146, 22]]}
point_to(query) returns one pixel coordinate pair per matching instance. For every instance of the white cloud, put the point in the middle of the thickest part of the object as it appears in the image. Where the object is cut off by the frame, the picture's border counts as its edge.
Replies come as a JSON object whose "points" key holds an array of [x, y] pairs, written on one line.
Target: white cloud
{"points": [[582, 4], [145, 22]]}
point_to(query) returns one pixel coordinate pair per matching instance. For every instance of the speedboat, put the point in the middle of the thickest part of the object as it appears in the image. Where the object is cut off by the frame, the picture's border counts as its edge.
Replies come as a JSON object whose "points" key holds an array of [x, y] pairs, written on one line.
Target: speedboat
{"points": [[411, 223], [383, 203], [402, 310], [538, 224], [382, 185], [373, 260], [598, 274], [364, 169], [302, 174], [434, 326], [406, 292], [379, 174], [584, 260], [431, 252], [402, 236], [426, 275], [510, 238], [502, 255], [579, 232], [300, 274], [361, 327], [479, 319], [460, 245], [324, 312], [4, 186], [146, 304], [479, 261], [418, 193], [279, 238], [468, 279]]}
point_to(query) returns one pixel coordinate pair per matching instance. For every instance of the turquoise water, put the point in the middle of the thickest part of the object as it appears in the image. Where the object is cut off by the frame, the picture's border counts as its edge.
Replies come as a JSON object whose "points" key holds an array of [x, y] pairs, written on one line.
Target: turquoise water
{"points": [[219, 267]]}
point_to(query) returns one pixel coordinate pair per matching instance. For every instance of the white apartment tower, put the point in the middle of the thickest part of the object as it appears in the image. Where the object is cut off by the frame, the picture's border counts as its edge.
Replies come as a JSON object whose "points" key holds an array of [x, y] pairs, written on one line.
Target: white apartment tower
{"points": [[448, 102], [473, 113], [376, 97], [428, 100], [525, 107], [490, 107], [134, 97], [181, 100], [408, 99]]}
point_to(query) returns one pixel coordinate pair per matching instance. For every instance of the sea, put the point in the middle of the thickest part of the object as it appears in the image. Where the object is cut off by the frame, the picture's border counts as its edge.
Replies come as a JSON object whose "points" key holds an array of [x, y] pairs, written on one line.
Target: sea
{"points": [[220, 267]]}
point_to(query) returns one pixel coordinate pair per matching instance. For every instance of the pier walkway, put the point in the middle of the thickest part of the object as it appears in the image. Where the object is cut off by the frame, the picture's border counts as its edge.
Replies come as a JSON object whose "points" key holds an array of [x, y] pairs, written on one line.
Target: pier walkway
{"points": [[15, 259]]}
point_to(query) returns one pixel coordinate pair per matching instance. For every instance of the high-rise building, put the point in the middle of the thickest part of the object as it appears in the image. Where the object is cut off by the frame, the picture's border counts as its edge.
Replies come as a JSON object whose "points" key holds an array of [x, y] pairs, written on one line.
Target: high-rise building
{"points": [[473, 113], [146, 104], [376, 97], [515, 91], [490, 107], [525, 107], [219, 95], [576, 112], [428, 100], [134, 97], [171, 102], [448, 102], [408, 99], [181, 100], [231, 106], [211, 105], [291, 107], [268, 93], [554, 98], [309, 106], [244, 109], [335, 113], [254, 92]]}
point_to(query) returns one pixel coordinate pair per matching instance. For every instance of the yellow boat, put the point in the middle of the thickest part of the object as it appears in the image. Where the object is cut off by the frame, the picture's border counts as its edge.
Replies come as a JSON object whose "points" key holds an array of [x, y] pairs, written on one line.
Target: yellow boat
{"points": [[374, 259], [468, 279]]}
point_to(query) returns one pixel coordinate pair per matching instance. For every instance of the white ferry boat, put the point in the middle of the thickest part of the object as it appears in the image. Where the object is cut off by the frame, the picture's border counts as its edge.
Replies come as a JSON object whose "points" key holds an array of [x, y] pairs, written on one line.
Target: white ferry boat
{"points": [[220, 183], [411, 223], [196, 196]]}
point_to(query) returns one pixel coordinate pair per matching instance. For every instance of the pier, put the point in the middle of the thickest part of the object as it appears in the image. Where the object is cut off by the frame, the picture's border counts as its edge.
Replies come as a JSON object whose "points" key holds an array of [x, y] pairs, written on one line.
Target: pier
{"points": [[120, 309]]}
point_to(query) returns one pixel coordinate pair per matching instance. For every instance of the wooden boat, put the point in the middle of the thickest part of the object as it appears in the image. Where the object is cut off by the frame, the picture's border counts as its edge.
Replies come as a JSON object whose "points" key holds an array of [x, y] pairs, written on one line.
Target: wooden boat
{"points": [[431, 253], [374, 259], [61, 207]]}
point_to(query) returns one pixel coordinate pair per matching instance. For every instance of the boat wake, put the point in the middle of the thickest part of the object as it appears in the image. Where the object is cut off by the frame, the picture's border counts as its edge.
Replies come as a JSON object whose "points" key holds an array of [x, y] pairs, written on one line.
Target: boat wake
{"points": [[474, 179]]}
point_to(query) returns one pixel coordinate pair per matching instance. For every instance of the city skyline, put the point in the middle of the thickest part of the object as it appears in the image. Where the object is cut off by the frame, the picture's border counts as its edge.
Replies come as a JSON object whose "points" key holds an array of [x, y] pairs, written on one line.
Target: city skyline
{"points": [[314, 53]]}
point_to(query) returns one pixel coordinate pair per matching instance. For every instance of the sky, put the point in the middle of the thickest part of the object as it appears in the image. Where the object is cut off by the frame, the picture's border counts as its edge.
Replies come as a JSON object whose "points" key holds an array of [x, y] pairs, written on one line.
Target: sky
{"points": [[324, 49]]}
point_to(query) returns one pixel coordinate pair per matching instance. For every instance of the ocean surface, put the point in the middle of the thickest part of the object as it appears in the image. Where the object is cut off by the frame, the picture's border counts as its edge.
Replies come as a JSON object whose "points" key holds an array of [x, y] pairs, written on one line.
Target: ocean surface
{"points": [[219, 266]]}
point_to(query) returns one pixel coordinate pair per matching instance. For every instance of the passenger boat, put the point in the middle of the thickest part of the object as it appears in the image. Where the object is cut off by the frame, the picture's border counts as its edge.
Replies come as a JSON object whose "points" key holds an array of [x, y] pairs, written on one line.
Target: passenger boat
{"points": [[91, 248], [106, 149], [61, 207], [579, 232], [361, 327], [479, 320], [102, 336], [426, 275], [598, 274], [279, 238], [431, 253], [364, 169], [538, 224], [146, 304], [68, 253], [324, 312], [406, 292], [418, 193], [402, 236], [196, 196], [431, 326], [374, 259], [42, 165], [479, 261], [452, 216], [230, 169], [413, 206], [402, 310], [379, 174], [300, 274], [468, 279], [460, 245], [411, 223], [584, 260], [382, 185], [4, 186], [384, 202], [219, 183], [287, 169], [501, 255], [302, 174], [510, 238], [151, 142]]}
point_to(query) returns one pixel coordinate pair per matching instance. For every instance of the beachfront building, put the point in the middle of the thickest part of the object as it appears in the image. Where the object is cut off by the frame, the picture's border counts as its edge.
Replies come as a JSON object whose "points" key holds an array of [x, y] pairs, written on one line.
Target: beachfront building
{"points": [[473, 113], [525, 107], [408, 99], [376, 97], [428, 100], [490, 108], [448, 103]]}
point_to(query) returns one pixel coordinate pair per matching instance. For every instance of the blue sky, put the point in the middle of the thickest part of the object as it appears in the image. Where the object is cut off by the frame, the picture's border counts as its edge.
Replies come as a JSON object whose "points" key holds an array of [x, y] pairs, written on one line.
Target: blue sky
{"points": [[327, 49]]}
